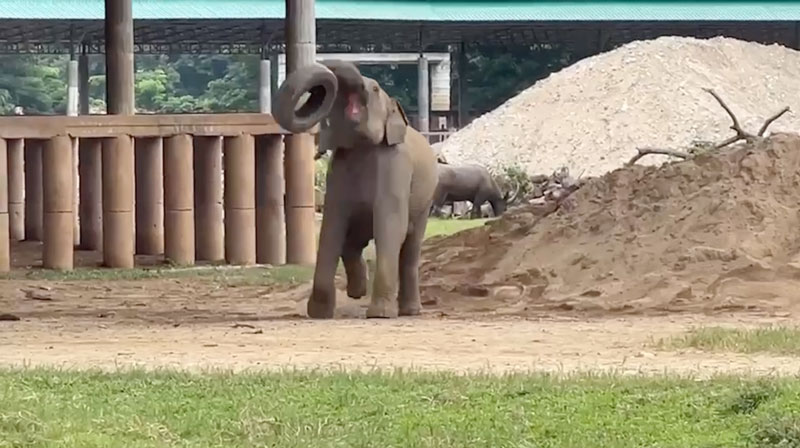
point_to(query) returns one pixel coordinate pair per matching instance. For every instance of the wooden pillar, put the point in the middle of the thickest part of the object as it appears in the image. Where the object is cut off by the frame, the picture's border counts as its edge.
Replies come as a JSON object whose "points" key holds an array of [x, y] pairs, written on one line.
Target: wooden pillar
{"points": [[208, 220], [118, 190], [179, 200], [119, 57], [423, 95], [270, 230], [149, 160], [90, 206], [5, 244], [33, 190], [58, 208], [83, 82], [240, 200], [299, 158], [16, 189]]}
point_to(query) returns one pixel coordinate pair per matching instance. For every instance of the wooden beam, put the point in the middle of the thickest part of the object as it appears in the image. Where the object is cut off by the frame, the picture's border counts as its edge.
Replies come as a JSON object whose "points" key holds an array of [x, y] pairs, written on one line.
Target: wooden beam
{"points": [[98, 126]]}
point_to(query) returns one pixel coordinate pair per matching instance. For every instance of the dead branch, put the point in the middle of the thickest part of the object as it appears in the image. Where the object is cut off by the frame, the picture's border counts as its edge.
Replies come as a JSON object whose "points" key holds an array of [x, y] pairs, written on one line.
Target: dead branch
{"points": [[769, 121], [641, 152]]}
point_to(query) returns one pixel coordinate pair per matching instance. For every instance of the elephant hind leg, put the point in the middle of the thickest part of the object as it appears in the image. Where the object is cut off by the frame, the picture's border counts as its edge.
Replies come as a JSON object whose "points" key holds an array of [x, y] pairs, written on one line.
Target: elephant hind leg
{"points": [[356, 269], [408, 299]]}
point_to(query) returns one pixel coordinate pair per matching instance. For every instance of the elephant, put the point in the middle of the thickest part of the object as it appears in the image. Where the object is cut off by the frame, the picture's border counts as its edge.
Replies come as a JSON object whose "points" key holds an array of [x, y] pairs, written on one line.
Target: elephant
{"points": [[472, 183], [379, 185]]}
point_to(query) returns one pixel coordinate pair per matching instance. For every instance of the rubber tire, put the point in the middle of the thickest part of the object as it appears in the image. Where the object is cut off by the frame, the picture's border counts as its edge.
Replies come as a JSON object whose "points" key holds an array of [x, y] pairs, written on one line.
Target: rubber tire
{"points": [[293, 88]]}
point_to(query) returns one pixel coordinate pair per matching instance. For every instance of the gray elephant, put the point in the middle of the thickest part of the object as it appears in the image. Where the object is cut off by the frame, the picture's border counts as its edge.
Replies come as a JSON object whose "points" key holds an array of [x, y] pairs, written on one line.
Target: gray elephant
{"points": [[380, 185], [471, 183]]}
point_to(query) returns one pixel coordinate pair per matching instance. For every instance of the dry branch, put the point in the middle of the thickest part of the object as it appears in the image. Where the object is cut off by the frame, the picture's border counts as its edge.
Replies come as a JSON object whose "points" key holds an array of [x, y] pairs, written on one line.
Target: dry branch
{"points": [[741, 134], [770, 120], [641, 152]]}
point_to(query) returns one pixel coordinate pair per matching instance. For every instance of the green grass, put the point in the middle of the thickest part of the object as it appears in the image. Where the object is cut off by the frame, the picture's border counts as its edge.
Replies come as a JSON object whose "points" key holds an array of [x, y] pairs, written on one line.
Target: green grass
{"points": [[233, 276], [48, 408], [773, 339], [445, 227]]}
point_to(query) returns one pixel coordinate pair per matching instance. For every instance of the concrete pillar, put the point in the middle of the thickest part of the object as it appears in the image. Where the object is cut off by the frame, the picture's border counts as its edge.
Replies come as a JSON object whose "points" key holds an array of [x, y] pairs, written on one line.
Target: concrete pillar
{"points": [[179, 200], [265, 87], [208, 219], [240, 200], [270, 230], [72, 111], [5, 243], [423, 95], [118, 190], [90, 206], [83, 83], [58, 208], [462, 78], [299, 157], [33, 190], [16, 189], [119, 57], [149, 178]]}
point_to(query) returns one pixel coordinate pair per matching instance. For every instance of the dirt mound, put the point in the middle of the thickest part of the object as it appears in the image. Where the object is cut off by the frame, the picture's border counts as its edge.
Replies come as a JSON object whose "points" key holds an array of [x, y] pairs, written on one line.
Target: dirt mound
{"points": [[717, 232], [592, 115]]}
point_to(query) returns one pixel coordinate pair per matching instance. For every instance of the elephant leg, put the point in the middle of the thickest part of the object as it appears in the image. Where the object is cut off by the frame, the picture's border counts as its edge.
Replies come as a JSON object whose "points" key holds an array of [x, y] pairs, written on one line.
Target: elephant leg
{"points": [[322, 302], [476, 206], [356, 269], [390, 225], [408, 299]]}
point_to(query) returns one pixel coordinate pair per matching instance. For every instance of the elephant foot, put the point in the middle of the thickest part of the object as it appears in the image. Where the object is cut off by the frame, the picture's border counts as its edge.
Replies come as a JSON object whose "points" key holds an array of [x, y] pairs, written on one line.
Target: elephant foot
{"points": [[381, 310], [320, 308], [410, 310], [356, 292]]}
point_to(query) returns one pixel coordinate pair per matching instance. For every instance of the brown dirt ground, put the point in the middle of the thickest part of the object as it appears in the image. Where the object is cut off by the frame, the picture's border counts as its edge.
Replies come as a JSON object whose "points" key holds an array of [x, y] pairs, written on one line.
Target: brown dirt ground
{"points": [[196, 322], [642, 253]]}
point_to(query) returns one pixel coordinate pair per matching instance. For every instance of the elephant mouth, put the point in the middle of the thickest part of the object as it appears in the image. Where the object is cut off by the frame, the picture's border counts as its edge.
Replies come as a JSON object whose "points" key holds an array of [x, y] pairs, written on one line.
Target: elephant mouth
{"points": [[354, 107]]}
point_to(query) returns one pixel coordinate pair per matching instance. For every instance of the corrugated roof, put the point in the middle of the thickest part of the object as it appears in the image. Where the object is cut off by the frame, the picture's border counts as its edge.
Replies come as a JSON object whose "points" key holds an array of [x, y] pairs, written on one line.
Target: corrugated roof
{"points": [[420, 10]]}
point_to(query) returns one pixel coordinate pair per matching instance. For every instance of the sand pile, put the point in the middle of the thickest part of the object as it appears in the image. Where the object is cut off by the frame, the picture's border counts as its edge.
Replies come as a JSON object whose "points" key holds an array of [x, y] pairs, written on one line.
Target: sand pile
{"points": [[594, 114], [720, 231]]}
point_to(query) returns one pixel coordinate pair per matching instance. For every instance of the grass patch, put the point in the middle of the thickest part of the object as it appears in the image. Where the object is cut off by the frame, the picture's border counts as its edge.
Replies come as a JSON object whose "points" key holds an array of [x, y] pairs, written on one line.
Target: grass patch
{"points": [[50, 408], [445, 227], [232, 276], [773, 339]]}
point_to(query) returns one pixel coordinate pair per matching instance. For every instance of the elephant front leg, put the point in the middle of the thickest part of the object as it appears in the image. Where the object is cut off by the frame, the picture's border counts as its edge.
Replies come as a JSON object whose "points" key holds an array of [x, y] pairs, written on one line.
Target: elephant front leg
{"points": [[390, 225], [356, 269], [408, 300], [322, 302]]}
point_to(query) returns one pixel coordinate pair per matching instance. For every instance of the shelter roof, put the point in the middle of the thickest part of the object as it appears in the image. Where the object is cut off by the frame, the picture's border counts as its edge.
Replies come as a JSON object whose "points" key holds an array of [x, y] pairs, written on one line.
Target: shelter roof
{"points": [[245, 26]]}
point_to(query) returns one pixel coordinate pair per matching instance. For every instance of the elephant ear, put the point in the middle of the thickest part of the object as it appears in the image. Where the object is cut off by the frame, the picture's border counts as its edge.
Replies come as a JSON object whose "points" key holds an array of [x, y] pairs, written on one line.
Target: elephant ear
{"points": [[396, 124]]}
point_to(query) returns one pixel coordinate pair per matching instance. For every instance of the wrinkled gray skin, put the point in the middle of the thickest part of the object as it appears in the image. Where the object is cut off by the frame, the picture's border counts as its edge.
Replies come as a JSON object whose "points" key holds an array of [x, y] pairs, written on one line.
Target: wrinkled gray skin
{"points": [[471, 183], [380, 185]]}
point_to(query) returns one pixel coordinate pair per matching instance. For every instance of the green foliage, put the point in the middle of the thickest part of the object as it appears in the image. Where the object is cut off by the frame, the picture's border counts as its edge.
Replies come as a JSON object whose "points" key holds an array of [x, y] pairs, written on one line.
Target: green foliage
{"points": [[771, 339], [37, 83], [513, 178]]}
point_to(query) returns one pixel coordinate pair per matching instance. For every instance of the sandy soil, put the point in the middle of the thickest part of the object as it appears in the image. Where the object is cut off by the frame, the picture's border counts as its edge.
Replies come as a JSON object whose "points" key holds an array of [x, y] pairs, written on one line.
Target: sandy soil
{"points": [[195, 323]]}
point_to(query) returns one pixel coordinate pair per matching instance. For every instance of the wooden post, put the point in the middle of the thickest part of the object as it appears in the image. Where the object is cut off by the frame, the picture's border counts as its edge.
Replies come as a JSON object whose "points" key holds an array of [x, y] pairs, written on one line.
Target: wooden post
{"points": [[5, 244], [83, 82], [208, 220], [118, 192], [58, 208], [119, 57], [33, 190], [270, 230], [299, 158], [72, 110], [423, 95], [179, 200], [90, 207], [240, 200], [16, 189], [149, 160]]}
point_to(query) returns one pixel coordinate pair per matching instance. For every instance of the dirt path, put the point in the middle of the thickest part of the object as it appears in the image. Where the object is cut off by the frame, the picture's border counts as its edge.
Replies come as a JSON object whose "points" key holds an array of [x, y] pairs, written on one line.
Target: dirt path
{"points": [[498, 345]]}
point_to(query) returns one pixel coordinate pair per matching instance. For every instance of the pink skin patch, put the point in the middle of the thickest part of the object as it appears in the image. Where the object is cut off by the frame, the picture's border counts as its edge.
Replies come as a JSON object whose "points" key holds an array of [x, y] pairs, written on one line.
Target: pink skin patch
{"points": [[353, 109]]}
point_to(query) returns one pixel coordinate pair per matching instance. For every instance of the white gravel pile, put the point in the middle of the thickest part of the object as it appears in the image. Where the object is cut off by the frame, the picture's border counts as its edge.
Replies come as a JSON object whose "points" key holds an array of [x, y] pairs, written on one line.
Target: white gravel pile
{"points": [[592, 116]]}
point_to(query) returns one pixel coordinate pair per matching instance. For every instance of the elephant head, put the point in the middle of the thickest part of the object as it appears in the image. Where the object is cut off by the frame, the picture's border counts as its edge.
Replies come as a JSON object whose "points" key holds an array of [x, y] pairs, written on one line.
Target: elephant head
{"points": [[358, 111]]}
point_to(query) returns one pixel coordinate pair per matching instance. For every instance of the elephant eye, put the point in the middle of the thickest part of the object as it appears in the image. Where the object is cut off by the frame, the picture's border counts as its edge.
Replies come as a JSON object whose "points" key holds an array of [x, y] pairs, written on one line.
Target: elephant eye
{"points": [[375, 89]]}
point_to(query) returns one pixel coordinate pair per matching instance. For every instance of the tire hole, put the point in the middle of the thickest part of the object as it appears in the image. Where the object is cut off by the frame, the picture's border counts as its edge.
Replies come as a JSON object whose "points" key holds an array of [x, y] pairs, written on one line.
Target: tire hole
{"points": [[310, 101]]}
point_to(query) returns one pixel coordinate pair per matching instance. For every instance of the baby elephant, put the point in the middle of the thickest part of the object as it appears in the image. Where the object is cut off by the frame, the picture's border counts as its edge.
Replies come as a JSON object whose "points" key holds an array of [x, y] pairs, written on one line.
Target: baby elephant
{"points": [[471, 183]]}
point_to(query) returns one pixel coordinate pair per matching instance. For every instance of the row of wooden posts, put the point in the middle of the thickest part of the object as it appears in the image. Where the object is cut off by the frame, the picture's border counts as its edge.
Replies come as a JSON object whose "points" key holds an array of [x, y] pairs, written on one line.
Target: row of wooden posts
{"points": [[187, 197]]}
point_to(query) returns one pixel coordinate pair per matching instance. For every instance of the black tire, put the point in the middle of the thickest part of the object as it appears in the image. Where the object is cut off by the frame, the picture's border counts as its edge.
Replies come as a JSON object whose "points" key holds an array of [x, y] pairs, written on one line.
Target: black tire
{"points": [[322, 85]]}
